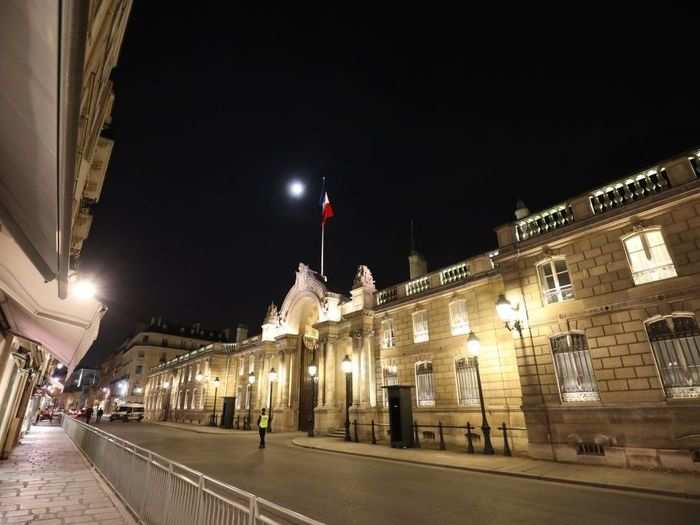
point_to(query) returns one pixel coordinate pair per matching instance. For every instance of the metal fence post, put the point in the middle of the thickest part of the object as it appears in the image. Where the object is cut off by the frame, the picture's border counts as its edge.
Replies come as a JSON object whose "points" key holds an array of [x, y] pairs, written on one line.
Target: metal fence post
{"points": [[357, 440], [200, 500], [374, 438], [506, 446], [470, 443], [169, 488], [147, 485], [442, 438], [416, 440]]}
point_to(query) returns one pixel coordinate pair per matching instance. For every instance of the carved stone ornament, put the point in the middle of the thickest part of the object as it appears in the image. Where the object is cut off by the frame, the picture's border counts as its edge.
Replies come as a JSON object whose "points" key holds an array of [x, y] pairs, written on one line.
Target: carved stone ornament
{"points": [[364, 279], [272, 316]]}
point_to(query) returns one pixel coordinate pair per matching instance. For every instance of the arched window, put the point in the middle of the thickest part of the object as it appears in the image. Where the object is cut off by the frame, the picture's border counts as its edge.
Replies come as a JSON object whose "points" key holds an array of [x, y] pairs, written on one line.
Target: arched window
{"points": [[555, 281], [675, 340], [195, 399], [425, 389], [648, 256]]}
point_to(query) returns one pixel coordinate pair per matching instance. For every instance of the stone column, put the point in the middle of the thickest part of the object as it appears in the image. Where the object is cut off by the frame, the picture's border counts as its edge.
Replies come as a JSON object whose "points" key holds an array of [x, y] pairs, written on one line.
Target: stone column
{"points": [[321, 363], [356, 344], [371, 372], [331, 371]]}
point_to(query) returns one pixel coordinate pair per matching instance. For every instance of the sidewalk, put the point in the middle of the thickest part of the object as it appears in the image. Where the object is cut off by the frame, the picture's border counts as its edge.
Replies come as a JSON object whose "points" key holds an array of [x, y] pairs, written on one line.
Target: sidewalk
{"points": [[200, 429], [48, 481], [660, 483]]}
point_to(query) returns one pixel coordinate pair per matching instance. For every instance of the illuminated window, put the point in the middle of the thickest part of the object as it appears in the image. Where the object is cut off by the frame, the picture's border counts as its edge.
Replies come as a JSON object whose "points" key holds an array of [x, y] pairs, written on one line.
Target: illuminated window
{"points": [[675, 340], [425, 393], [648, 256], [572, 363], [459, 321], [467, 385], [555, 281], [420, 326], [387, 333]]}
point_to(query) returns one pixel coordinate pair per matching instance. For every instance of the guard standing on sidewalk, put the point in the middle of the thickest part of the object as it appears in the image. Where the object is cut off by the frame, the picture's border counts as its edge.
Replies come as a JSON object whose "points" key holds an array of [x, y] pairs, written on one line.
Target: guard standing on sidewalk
{"points": [[263, 421]]}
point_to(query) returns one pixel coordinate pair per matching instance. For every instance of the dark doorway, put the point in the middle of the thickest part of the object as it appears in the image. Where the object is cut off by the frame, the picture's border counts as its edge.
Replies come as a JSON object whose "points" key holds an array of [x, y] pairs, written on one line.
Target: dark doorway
{"points": [[306, 392]]}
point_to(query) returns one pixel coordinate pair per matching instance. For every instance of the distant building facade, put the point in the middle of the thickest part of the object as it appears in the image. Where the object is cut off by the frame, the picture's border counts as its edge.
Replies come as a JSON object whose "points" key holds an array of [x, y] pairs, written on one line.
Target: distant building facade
{"points": [[125, 371], [586, 314]]}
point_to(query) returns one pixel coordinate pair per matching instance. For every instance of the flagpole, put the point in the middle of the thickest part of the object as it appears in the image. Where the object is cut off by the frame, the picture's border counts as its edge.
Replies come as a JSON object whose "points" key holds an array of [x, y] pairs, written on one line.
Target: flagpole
{"points": [[323, 222]]}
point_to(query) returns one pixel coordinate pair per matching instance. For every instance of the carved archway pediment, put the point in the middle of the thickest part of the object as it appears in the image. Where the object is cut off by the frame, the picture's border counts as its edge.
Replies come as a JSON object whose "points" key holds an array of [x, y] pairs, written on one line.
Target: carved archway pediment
{"points": [[308, 284]]}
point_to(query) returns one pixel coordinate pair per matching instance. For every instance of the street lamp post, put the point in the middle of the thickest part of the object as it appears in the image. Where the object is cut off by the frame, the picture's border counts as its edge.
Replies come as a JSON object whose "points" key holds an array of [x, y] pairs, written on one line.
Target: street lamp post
{"points": [[271, 378], [347, 370], [509, 315], [474, 348], [313, 371], [212, 422], [251, 382]]}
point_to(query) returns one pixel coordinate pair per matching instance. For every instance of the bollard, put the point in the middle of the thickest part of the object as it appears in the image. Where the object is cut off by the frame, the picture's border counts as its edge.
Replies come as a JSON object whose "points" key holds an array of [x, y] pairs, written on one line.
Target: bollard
{"points": [[355, 425], [470, 443], [506, 446], [442, 438], [416, 440], [374, 438]]}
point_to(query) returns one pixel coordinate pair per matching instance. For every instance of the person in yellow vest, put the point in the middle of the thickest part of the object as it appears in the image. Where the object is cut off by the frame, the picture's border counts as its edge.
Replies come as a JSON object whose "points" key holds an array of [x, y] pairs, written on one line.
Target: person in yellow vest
{"points": [[263, 422]]}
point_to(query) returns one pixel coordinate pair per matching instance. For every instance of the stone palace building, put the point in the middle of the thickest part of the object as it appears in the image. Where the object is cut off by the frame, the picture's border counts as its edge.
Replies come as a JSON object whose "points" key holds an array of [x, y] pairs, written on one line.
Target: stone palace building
{"points": [[585, 314]]}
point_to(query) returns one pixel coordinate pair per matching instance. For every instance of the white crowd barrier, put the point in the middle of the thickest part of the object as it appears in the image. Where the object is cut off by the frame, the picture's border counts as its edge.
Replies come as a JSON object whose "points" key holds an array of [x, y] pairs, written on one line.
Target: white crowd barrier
{"points": [[159, 491]]}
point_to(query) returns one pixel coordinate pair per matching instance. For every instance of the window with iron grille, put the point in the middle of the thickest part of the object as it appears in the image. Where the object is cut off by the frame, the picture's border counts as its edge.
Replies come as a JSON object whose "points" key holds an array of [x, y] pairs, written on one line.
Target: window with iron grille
{"points": [[390, 376], [675, 340], [425, 392], [387, 333], [467, 386], [459, 320], [420, 326], [555, 281], [572, 363], [648, 256]]}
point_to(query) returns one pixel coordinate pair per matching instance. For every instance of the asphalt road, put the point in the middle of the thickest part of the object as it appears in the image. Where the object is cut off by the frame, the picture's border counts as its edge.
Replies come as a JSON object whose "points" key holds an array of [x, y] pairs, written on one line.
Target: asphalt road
{"points": [[342, 489]]}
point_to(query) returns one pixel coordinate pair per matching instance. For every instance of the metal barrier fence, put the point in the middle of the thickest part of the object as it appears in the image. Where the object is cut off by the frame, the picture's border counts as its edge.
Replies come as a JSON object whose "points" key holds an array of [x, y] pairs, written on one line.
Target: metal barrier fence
{"points": [[159, 491]]}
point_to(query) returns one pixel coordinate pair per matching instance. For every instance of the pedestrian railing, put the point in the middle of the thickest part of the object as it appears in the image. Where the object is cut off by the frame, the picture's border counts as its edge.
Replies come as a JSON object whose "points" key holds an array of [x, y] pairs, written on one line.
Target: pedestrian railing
{"points": [[470, 434], [159, 491]]}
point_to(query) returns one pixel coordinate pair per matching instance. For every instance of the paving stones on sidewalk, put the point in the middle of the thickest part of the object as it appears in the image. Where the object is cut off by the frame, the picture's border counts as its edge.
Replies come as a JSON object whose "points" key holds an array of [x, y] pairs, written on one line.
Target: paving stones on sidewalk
{"points": [[48, 481], [653, 482]]}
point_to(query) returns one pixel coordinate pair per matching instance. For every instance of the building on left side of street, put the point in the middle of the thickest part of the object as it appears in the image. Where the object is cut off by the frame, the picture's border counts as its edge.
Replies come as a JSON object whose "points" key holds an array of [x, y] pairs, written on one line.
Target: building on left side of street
{"points": [[125, 371], [55, 65]]}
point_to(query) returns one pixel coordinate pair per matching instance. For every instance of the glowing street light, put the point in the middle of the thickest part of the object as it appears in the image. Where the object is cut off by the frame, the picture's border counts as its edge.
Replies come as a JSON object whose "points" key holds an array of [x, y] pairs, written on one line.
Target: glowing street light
{"points": [[346, 366], [296, 188], [84, 289], [216, 383]]}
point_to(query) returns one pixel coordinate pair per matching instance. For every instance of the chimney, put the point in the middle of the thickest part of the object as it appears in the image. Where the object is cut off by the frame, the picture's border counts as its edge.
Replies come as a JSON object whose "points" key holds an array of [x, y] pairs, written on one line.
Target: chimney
{"points": [[417, 265], [241, 332], [521, 210]]}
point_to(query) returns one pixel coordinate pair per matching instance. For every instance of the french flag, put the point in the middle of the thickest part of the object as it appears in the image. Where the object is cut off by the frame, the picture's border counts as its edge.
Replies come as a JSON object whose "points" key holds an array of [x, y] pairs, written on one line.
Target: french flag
{"points": [[326, 208]]}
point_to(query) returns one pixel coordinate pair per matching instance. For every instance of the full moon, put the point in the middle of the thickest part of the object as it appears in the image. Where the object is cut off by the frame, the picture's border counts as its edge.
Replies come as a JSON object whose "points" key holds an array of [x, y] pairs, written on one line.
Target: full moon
{"points": [[296, 188]]}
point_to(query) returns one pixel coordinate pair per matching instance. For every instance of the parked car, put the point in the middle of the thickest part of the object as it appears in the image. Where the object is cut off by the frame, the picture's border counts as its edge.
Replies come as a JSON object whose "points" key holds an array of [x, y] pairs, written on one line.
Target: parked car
{"points": [[128, 412]]}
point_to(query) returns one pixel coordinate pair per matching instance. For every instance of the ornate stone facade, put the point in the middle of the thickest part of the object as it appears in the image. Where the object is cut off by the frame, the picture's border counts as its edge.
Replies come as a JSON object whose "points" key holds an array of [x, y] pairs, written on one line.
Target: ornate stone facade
{"points": [[598, 360]]}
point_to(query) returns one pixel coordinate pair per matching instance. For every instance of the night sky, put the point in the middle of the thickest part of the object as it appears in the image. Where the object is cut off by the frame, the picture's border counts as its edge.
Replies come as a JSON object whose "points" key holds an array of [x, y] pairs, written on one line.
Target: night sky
{"points": [[445, 117]]}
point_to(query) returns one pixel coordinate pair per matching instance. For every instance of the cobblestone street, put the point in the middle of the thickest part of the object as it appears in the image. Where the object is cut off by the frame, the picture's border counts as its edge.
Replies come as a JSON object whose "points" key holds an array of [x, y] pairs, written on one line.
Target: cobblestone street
{"points": [[47, 481]]}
